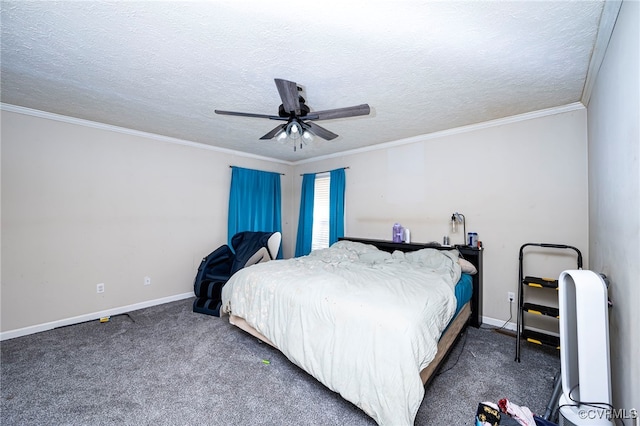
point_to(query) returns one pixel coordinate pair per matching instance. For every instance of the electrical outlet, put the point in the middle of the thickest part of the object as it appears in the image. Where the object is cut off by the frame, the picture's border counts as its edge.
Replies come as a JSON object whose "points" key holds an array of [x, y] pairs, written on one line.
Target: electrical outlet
{"points": [[100, 288], [147, 280], [511, 296]]}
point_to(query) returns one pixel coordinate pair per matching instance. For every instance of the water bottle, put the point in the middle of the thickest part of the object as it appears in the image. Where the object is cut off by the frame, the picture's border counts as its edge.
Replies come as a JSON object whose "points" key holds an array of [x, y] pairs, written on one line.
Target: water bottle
{"points": [[397, 233]]}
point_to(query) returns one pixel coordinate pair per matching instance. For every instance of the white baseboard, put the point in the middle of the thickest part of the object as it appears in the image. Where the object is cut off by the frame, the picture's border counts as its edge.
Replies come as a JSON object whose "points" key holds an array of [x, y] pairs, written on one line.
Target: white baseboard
{"points": [[512, 326], [12, 334], [499, 323]]}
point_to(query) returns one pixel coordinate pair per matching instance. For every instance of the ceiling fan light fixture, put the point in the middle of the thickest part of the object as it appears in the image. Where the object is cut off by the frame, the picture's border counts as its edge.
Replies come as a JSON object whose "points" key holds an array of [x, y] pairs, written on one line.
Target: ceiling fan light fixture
{"points": [[294, 130], [300, 128], [282, 137]]}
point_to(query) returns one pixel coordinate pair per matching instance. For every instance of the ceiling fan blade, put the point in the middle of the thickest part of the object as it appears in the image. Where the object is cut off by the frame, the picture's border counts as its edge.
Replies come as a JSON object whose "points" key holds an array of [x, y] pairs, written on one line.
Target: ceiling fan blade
{"points": [[248, 114], [321, 131], [275, 132], [339, 112], [288, 91]]}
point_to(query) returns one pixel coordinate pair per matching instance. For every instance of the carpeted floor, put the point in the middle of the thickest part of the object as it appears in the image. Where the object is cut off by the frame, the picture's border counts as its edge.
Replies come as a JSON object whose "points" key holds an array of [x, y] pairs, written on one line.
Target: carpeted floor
{"points": [[165, 365]]}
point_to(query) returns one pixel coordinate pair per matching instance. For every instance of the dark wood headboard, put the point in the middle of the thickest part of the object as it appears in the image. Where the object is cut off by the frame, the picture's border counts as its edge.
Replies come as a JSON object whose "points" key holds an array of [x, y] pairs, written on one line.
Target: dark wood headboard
{"points": [[473, 255]]}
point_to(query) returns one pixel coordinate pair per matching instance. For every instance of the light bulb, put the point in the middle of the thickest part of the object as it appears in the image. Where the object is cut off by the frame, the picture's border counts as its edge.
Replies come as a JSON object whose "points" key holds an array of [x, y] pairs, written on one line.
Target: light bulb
{"points": [[454, 224], [293, 130]]}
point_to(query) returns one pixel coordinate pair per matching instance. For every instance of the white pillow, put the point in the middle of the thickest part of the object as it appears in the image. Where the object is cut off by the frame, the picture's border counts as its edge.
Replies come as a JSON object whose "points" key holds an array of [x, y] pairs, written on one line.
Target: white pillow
{"points": [[467, 267], [431, 257]]}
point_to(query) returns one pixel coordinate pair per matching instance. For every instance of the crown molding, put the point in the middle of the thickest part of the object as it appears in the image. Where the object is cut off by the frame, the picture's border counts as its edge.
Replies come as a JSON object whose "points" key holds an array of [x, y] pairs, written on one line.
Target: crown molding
{"points": [[131, 132], [455, 131], [420, 138]]}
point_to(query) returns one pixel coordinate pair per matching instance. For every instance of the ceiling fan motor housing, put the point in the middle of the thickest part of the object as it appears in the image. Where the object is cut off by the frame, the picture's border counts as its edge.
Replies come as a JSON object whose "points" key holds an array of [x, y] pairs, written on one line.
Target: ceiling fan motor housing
{"points": [[304, 109]]}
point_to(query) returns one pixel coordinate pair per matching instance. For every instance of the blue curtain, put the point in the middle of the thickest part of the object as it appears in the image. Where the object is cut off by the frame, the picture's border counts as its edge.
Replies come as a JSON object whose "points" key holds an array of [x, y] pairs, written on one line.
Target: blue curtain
{"points": [[305, 220], [254, 202], [336, 205]]}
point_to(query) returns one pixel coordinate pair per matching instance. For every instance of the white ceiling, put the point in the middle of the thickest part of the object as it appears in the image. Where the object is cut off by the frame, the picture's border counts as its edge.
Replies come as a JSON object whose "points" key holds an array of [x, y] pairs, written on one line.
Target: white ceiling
{"points": [[423, 66]]}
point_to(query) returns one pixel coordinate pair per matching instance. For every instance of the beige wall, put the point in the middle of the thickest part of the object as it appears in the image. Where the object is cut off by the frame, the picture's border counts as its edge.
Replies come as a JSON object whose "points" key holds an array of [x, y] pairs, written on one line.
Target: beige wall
{"points": [[518, 182], [614, 204], [83, 205]]}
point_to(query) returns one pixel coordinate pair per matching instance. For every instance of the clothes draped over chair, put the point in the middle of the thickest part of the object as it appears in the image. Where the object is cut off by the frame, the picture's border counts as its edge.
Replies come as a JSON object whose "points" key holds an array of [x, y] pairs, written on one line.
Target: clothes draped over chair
{"points": [[247, 248]]}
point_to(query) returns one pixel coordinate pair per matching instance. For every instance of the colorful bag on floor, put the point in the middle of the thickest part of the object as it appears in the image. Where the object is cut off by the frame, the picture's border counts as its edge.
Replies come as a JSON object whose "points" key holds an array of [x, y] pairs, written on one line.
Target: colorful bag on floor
{"points": [[487, 415], [506, 413]]}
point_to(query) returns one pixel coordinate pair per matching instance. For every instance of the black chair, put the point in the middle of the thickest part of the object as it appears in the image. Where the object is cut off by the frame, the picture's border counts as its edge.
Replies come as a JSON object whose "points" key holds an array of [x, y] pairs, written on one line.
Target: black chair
{"points": [[215, 270]]}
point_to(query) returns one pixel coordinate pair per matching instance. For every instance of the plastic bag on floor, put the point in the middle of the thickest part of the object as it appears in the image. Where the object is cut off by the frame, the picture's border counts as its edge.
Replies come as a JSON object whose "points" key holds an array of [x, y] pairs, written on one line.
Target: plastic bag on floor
{"points": [[506, 413]]}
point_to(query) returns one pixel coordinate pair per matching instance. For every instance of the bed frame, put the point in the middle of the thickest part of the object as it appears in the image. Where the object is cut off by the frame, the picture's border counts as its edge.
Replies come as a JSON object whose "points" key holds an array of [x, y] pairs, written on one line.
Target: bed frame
{"points": [[448, 338]]}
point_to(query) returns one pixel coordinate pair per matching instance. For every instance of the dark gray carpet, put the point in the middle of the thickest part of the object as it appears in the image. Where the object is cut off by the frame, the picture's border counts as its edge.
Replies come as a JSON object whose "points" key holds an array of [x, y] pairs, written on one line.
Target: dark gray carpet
{"points": [[165, 365]]}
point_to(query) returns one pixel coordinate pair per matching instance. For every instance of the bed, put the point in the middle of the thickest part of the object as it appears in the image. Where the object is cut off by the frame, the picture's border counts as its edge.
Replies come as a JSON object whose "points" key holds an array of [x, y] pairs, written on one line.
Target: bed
{"points": [[370, 324]]}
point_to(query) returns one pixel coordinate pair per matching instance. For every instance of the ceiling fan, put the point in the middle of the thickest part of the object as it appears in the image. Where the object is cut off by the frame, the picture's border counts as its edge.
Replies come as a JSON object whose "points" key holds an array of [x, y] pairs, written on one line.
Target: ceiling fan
{"points": [[299, 117]]}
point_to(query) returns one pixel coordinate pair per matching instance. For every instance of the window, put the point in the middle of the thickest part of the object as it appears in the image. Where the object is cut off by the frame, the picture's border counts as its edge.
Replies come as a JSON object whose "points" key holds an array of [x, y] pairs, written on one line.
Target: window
{"points": [[320, 238], [321, 220]]}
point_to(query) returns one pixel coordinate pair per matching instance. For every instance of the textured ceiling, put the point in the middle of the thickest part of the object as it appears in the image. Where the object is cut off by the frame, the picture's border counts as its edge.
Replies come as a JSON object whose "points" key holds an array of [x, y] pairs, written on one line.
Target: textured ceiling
{"points": [[423, 66]]}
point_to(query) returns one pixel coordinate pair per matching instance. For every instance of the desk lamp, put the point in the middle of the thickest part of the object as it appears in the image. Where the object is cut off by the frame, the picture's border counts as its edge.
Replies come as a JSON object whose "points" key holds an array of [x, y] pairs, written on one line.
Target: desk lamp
{"points": [[459, 218]]}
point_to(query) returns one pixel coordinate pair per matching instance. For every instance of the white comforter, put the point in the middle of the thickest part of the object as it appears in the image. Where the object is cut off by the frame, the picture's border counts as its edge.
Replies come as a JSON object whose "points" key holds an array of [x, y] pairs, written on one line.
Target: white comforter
{"points": [[361, 321]]}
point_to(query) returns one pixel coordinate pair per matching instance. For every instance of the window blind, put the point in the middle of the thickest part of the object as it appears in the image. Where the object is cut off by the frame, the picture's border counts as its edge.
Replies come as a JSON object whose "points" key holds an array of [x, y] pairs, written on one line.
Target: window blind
{"points": [[320, 238]]}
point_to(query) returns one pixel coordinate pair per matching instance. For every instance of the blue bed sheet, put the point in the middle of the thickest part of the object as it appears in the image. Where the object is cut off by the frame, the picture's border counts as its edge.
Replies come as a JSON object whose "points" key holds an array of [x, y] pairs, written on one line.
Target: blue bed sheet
{"points": [[463, 291]]}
